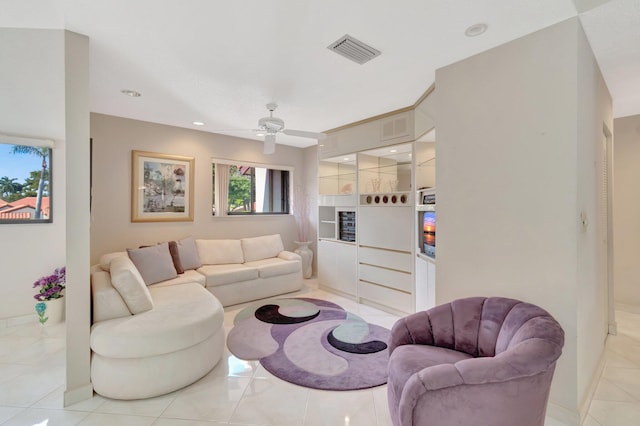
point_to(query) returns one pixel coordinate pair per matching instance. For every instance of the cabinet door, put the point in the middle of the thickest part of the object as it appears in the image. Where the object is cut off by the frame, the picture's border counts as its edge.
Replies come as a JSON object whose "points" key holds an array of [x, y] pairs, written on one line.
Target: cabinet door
{"points": [[337, 266], [326, 263], [346, 268], [386, 227], [425, 284]]}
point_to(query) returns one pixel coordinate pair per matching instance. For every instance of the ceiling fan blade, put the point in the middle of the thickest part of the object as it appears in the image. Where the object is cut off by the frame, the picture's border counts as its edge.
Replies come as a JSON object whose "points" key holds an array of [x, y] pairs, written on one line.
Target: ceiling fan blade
{"points": [[269, 144], [303, 134]]}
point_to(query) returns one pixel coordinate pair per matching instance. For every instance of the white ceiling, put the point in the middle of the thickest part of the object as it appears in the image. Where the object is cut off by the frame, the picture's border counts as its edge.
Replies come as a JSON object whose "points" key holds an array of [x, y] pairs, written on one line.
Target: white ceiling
{"points": [[221, 62]]}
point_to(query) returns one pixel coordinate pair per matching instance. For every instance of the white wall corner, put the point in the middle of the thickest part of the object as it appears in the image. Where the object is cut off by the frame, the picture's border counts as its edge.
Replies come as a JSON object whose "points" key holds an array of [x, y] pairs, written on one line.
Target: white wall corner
{"points": [[563, 414], [79, 394], [591, 389]]}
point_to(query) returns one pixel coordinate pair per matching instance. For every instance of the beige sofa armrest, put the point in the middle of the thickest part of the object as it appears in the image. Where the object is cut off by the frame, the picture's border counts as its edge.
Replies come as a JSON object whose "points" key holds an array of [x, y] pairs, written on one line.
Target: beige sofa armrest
{"points": [[287, 255], [107, 302]]}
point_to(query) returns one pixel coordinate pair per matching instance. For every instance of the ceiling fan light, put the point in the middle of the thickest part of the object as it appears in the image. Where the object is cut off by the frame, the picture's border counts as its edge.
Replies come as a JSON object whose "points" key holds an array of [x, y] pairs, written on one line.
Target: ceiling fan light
{"points": [[269, 144]]}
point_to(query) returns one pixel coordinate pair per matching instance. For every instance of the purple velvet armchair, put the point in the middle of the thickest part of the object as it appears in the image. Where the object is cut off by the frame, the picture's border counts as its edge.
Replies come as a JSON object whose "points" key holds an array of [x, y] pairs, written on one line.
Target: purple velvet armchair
{"points": [[476, 361]]}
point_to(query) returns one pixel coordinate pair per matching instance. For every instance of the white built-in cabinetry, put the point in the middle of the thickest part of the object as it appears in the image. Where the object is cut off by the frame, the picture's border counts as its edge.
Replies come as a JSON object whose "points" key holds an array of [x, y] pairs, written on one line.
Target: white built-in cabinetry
{"points": [[337, 251], [370, 170], [386, 226]]}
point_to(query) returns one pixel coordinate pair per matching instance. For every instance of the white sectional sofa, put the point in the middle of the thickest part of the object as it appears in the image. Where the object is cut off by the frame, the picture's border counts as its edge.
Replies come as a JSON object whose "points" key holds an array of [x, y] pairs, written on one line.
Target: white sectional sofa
{"points": [[156, 330]]}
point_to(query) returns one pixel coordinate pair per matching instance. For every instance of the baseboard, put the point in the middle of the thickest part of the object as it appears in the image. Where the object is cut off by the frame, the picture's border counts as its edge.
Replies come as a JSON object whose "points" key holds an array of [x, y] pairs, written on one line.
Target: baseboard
{"points": [[76, 395], [591, 390], [631, 308], [383, 308], [338, 292], [563, 415], [19, 320]]}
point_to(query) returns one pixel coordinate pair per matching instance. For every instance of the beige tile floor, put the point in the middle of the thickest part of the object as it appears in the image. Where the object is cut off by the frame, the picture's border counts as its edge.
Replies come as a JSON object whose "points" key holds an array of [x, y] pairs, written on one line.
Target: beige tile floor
{"points": [[239, 393]]}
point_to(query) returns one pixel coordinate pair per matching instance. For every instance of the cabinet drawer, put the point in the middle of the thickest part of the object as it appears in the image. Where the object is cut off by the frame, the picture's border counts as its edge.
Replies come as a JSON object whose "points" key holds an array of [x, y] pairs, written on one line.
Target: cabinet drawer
{"points": [[386, 296], [386, 277], [385, 258]]}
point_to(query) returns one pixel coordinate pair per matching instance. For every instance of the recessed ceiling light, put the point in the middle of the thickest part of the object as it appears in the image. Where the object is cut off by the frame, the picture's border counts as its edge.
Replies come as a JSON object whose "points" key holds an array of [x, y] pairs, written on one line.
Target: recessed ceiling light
{"points": [[475, 30], [321, 144], [346, 158], [198, 123], [393, 150], [131, 93]]}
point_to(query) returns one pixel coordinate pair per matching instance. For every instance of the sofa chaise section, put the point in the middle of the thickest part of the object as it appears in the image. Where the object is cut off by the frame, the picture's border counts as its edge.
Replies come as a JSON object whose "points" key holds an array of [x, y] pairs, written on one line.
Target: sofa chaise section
{"points": [[173, 343]]}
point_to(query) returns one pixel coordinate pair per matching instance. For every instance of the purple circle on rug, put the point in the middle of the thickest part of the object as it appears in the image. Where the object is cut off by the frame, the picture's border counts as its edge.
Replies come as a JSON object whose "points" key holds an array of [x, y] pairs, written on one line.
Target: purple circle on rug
{"points": [[331, 350]]}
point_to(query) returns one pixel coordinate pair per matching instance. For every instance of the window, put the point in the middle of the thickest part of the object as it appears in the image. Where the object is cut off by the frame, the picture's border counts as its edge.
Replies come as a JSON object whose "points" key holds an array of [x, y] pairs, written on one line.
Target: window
{"points": [[25, 183], [249, 189]]}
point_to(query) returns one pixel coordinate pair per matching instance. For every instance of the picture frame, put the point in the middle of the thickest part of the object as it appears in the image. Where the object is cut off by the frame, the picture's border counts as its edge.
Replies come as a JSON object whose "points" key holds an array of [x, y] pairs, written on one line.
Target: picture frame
{"points": [[161, 187]]}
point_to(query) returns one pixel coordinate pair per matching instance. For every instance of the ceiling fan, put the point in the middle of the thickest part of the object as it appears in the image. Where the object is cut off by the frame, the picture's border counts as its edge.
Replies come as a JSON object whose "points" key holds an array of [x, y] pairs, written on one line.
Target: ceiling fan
{"points": [[270, 126]]}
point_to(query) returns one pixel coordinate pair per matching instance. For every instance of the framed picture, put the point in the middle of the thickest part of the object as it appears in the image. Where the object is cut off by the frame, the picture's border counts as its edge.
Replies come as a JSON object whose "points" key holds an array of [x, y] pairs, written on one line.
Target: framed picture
{"points": [[161, 187]]}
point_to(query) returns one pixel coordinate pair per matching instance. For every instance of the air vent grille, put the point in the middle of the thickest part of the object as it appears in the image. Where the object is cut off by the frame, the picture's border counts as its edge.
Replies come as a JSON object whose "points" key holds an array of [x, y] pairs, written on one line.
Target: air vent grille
{"points": [[354, 49]]}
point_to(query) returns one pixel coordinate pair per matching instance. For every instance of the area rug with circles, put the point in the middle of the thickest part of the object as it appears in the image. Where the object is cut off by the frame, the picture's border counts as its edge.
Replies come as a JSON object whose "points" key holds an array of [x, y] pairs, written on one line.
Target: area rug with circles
{"points": [[312, 343]]}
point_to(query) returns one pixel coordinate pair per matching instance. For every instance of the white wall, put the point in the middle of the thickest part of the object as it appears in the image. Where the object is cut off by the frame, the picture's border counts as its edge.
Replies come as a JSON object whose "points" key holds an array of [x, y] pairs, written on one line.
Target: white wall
{"points": [[113, 140], [594, 114], [627, 210], [32, 73], [44, 81], [78, 294], [509, 129]]}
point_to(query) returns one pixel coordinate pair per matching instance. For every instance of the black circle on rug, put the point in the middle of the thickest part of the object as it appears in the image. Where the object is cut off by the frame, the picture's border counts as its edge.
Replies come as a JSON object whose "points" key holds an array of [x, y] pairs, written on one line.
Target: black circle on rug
{"points": [[312, 343]]}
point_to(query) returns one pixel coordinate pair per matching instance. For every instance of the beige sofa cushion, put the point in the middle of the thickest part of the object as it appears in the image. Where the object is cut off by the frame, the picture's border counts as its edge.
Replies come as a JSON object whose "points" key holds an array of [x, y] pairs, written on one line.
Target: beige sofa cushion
{"points": [[264, 247], [127, 280], [274, 267], [188, 251], [189, 276], [226, 274], [219, 252]]}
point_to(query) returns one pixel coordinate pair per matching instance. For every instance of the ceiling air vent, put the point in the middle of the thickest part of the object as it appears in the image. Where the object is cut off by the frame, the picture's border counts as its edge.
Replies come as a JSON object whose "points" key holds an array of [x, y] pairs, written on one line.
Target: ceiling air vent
{"points": [[353, 49]]}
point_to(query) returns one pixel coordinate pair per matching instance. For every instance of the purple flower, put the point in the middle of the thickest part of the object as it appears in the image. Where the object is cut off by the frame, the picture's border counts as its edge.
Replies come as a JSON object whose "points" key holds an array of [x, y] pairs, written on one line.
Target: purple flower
{"points": [[51, 286]]}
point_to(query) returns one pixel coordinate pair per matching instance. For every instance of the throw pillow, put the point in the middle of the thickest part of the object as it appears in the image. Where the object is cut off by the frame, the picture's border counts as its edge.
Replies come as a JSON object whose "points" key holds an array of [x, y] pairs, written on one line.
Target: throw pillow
{"points": [[154, 263], [175, 256], [188, 253], [127, 281]]}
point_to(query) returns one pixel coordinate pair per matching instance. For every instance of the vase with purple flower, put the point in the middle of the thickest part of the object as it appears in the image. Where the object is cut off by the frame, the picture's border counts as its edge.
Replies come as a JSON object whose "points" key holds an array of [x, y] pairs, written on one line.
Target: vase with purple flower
{"points": [[50, 297]]}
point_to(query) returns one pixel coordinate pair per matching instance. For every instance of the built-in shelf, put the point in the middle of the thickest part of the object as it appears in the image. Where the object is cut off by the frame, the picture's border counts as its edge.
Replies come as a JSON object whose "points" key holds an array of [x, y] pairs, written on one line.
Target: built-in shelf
{"points": [[337, 176]]}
